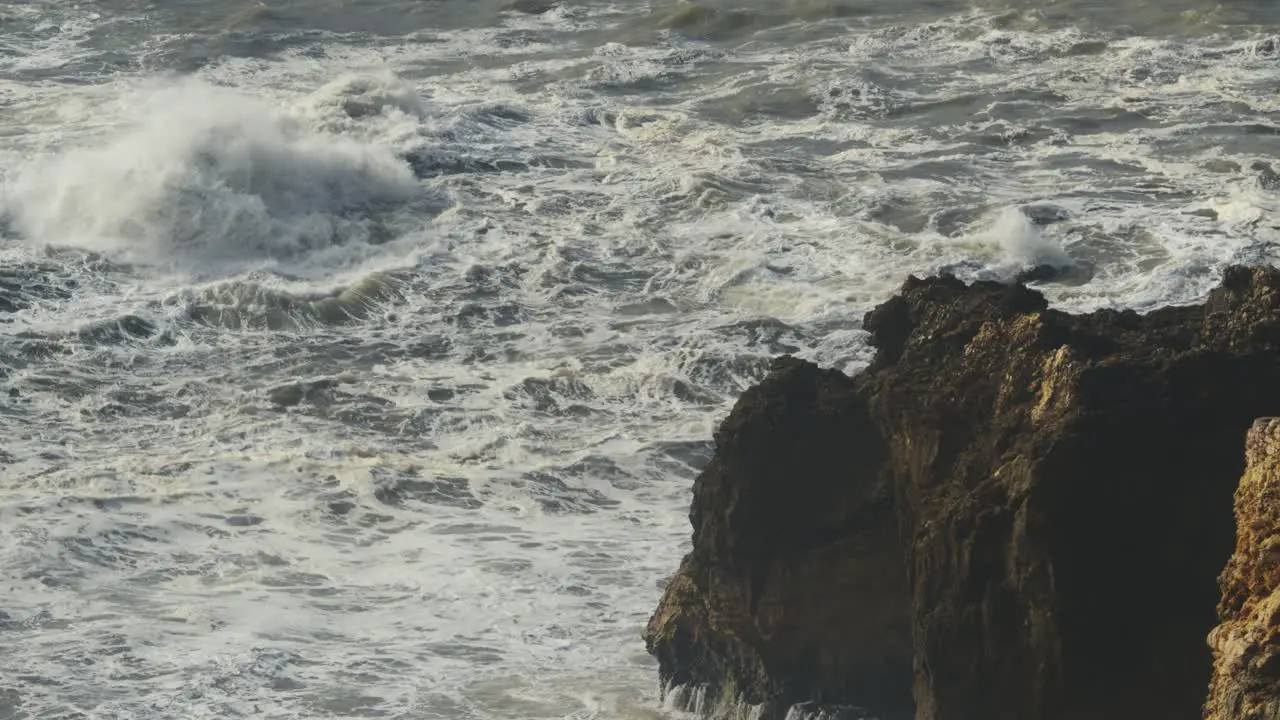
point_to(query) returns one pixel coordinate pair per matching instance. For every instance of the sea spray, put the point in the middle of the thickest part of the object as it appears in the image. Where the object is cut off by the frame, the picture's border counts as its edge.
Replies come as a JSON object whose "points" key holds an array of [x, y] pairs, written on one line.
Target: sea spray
{"points": [[207, 176]]}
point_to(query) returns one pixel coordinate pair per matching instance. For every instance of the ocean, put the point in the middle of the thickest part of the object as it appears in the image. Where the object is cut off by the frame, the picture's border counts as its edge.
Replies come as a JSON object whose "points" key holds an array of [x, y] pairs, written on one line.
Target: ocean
{"points": [[357, 356]]}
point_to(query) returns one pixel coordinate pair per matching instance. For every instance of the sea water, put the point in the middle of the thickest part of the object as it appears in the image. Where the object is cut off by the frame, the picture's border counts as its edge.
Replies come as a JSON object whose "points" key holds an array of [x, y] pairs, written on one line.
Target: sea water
{"points": [[357, 356]]}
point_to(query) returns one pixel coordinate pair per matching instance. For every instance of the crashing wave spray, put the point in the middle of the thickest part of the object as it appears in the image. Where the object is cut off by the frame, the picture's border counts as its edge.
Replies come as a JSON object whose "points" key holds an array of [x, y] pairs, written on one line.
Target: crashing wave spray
{"points": [[208, 177]]}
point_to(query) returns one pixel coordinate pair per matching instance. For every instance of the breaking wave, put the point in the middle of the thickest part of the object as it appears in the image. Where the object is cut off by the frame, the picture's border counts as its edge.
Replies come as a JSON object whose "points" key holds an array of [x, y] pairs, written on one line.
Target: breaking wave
{"points": [[208, 177]]}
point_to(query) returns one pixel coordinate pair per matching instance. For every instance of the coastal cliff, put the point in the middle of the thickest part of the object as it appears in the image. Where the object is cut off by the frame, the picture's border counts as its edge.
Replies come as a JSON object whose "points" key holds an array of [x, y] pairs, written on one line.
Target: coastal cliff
{"points": [[1013, 514], [1246, 646]]}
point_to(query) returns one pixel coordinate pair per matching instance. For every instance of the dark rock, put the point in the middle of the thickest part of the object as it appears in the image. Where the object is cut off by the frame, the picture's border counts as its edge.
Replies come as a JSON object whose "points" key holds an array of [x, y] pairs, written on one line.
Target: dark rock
{"points": [[778, 532], [1012, 514]]}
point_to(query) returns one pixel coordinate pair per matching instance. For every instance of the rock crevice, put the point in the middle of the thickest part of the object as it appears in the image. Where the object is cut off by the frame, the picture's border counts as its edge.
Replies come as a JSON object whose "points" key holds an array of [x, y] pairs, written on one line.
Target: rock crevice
{"points": [[1246, 646]]}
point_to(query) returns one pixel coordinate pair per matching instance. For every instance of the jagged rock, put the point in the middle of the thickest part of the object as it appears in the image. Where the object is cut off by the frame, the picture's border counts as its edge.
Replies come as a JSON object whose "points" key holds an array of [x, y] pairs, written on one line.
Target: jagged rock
{"points": [[779, 531], [1013, 514], [1246, 646]]}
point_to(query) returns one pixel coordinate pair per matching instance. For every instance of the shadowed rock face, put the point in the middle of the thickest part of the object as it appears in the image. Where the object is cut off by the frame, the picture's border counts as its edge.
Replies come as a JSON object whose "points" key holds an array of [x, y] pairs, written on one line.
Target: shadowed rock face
{"points": [[1013, 514], [1246, 646], [783, 544]]}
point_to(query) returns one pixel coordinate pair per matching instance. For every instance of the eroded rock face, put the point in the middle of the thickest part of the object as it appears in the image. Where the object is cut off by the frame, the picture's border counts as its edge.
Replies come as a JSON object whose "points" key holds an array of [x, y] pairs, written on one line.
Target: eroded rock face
{"points": [[1246, 646], [1013, 514], [782, 544]]}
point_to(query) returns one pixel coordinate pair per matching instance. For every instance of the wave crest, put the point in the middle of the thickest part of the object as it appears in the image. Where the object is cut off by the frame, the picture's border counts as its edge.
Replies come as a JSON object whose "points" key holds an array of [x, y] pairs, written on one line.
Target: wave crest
{"points": [[205, 175]]}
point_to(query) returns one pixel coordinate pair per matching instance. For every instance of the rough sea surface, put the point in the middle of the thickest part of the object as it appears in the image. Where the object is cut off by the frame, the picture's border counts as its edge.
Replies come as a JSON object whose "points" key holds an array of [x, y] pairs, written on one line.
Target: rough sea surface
{"points": [[356, 356]]}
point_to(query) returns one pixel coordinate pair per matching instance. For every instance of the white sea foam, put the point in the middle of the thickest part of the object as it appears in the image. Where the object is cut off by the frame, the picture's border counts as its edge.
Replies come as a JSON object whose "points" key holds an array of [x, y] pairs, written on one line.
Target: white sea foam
{"points": [[1018, 242], [207, 177]]}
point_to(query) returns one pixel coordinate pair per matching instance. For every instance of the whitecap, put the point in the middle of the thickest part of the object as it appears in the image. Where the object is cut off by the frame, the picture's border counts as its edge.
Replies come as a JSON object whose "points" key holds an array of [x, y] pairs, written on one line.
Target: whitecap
{"points": [[205, 177]]}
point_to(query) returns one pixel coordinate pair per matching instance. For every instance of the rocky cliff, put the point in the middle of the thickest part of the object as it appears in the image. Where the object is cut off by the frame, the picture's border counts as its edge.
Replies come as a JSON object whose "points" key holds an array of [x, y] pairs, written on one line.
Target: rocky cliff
{"points": [[1246, 646], [1013, 514]]}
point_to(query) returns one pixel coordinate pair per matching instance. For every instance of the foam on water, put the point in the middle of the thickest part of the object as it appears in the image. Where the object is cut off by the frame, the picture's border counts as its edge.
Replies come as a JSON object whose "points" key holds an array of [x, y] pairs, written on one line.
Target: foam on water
{"points": [[367, 375], [210, 177], [1010, 241]]}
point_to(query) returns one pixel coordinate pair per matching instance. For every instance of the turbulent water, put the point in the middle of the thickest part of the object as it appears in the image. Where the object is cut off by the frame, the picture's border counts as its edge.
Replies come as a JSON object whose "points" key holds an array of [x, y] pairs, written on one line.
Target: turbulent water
{"points": [[356, 356]]}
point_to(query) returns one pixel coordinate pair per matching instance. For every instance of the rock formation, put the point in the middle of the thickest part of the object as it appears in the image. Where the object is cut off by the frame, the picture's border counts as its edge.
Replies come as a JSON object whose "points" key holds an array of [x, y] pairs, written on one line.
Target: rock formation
{"points": [[1013, 514], [1246, 646]]}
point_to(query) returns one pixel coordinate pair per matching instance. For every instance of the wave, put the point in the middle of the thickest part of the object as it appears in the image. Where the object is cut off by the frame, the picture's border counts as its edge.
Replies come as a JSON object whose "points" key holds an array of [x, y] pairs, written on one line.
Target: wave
{"points": [[205, 176], [256, 305], [349, 99]]}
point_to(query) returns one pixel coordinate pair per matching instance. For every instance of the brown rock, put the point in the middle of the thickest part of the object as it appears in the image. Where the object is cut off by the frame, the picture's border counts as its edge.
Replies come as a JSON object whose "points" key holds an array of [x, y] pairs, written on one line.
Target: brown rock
{"points": [[1013, 514], [1246, 646]]}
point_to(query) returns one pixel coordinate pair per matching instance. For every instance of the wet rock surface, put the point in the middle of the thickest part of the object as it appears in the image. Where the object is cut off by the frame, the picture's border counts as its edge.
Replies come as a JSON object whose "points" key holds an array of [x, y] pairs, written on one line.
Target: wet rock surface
{"points": [[1013, 514]]}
